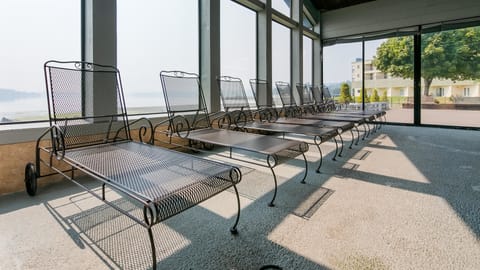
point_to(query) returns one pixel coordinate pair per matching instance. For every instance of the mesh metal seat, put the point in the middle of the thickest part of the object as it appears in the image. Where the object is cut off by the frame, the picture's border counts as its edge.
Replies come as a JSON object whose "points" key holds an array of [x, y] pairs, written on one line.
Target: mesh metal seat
{"points": [[89, 132], [188, 118]]}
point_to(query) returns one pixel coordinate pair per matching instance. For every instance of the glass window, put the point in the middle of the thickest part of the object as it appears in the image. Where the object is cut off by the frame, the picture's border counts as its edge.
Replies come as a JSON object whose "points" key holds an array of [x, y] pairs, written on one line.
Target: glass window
{"points": [[280, 57], [307, 23], [154, 35], [307, 60], [392, 82], [283, 6], [440, 92], [238, 44], [450, 77], [33, 32], [342, 64]]}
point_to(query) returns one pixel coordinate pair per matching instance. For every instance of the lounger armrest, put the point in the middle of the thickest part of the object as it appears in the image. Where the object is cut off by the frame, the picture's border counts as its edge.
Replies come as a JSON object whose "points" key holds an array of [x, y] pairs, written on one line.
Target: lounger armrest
{"points": [[221, 119], [266, 114], [143, 134]]}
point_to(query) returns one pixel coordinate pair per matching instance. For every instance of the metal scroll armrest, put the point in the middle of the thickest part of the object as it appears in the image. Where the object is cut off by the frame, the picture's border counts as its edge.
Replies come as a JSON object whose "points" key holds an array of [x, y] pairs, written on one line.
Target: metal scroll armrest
{"points": [[142, 131], [178, 124]]}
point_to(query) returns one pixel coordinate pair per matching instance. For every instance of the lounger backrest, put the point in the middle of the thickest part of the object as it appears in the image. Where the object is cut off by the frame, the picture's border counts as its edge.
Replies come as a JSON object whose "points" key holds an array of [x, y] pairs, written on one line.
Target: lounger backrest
{"points": [[232, 93], [317, 94], [286, 95], [257, 86], [86, 103], [184, 97], [304, 92], [262, 86], [326, 94]]}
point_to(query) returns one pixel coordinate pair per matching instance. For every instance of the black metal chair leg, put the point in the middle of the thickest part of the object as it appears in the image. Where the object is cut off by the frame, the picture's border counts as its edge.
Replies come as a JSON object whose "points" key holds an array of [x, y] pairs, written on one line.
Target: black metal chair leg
{"points": [[306, 167], [233, 230], [341, 145], [358, 135], [152, 243], [321, 159], [336, 149], [271, 204], [353, 139]]}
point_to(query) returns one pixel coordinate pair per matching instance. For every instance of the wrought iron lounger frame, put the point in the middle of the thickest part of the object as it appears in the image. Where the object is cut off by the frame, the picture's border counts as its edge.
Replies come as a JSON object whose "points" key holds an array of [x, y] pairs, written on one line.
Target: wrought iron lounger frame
{"points": [[319, 113], [188, 118], [325, 103], [308, 108], [327, 98], [235, 103], [95, 139], [297, 120]]}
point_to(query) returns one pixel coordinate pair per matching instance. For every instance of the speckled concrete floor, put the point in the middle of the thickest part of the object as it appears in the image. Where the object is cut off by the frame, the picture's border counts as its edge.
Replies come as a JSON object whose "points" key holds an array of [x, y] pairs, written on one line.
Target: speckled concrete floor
{"points": [[405, 198]]}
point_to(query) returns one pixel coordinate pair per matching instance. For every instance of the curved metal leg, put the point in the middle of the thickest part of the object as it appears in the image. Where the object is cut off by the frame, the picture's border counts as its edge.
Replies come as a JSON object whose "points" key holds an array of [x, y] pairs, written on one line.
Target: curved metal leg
{"points": [[321, 158], [306, 167], [341, 144], [336, 149], [358, 135], [364, 131], [233, 229], [353, 139], [152, 243], [271, 204]]}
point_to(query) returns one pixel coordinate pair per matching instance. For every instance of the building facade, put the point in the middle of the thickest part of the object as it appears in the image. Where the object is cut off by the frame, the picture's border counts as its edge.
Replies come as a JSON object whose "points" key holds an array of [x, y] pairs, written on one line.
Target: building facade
{"points": [[443, 91]]}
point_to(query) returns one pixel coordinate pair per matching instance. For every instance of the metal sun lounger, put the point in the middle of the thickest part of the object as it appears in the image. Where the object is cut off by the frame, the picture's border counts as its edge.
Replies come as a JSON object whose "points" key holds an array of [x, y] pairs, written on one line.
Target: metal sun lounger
{"points": [[327, 97], [285, 90], [235, 103], [325, 103], [89, 133], [189, 119], [341, 126]]}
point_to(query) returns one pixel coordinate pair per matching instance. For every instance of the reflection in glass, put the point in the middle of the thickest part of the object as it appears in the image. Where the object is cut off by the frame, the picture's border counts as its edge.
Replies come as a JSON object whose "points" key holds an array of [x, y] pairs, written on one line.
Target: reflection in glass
{"points": [[283, 6]]}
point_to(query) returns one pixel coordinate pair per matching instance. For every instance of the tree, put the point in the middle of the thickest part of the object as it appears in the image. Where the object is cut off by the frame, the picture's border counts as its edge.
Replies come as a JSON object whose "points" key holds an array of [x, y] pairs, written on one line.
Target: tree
{"points": [[384, 96], [359, 98], [345, 96], [374, 97], [451, 55]]}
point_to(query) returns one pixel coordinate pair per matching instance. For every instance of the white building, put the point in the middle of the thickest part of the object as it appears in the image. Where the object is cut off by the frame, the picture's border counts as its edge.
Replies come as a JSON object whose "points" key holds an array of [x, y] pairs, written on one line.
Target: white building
{"points": [[466, 91]]}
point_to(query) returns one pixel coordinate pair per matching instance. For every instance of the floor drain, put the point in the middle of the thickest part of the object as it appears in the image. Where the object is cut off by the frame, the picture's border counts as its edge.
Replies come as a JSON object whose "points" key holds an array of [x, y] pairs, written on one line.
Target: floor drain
{"points": [[361, 155], [310, 205], [350, 166]]}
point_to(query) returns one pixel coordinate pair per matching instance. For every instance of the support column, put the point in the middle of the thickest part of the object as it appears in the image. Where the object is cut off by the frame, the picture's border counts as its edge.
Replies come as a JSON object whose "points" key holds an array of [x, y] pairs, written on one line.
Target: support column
{"points": [[296, 75], [417, 78], [264, 52], [100, 47], [317, 58], [209, 16]]}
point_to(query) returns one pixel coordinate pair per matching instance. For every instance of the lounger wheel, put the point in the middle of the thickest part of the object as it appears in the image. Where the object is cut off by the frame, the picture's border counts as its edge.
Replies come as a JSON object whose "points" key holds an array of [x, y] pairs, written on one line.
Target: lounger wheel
{"points": [[30, 179]]}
